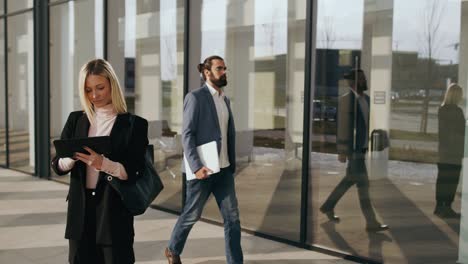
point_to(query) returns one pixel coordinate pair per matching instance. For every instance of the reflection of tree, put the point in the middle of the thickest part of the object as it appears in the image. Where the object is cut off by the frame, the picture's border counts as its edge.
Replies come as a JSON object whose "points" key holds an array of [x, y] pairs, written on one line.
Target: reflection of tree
{"points": [[168, 55], [270, 30], [430, 40], [269, 33], [328, 32]]}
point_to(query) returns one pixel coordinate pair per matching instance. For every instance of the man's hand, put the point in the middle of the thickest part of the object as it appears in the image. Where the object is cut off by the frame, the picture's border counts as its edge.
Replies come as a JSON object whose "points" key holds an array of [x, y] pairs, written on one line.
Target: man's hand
{"points": [[202, 173], [342, 158]]}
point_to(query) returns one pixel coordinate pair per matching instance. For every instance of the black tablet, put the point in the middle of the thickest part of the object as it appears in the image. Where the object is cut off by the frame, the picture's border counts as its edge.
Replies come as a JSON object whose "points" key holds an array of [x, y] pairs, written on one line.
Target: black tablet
{"points": [[67, 147]]}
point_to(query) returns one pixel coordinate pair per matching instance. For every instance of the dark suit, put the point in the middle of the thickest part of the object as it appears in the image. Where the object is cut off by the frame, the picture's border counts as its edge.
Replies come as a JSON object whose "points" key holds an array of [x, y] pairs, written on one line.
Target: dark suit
{"points": [[451, 148], [113, 221], [200, 126], [350, 115]]}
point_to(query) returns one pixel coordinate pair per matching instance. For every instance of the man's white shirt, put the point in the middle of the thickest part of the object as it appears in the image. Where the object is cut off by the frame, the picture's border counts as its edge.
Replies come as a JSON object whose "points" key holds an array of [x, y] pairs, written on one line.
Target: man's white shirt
{"points": [[223, 117]]}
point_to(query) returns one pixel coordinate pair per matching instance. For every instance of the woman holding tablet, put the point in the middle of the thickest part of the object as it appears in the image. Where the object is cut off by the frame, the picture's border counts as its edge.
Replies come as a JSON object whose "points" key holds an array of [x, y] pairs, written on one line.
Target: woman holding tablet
{"points": [[99, 227]]}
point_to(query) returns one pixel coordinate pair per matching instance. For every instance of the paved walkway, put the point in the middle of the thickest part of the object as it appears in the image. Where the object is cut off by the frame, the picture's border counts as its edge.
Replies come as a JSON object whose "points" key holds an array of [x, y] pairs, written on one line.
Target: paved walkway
{"points": [[32, 224]]}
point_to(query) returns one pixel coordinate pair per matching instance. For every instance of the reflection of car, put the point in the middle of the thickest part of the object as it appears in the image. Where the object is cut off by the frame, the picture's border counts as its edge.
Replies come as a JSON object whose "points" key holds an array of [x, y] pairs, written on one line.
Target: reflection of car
{"points": [[322, 111], [395, 96]]}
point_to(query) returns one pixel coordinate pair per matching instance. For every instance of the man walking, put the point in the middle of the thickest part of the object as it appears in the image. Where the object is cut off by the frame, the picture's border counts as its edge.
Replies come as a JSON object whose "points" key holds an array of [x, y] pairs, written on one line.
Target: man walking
{"points": [[352, 144], [208, 117]]}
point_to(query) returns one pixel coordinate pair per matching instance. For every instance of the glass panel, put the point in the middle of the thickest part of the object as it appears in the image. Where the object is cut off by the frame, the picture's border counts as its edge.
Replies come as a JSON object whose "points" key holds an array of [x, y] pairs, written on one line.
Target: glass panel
{"points": [[2, 96], [262, 42], [16, 5], [2, 6], [73, 41], [146, 49], [21, 91], [410, 52]]}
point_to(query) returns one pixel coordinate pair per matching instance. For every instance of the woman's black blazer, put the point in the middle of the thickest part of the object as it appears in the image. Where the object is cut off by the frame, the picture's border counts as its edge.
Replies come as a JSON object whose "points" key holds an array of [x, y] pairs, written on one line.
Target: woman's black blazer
{"points": [[113, 221], [451, 134]]}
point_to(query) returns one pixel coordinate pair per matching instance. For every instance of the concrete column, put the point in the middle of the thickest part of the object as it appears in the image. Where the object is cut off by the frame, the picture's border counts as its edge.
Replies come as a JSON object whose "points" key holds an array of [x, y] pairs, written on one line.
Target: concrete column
{"points": [[377, 64], [115, 39], [295, 78], [148, 83], [241, 76], [61, 60]]}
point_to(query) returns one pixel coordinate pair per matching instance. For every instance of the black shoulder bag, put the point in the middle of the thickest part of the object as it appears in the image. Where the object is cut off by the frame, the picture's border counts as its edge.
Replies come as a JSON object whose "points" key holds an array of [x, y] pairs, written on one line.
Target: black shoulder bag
{"points": [[138, 196]]}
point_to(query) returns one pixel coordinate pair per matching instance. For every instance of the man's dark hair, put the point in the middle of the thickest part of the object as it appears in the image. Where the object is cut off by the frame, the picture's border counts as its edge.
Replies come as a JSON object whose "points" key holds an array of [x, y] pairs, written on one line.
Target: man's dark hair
{"points": [[351, 75], [206, 65]]}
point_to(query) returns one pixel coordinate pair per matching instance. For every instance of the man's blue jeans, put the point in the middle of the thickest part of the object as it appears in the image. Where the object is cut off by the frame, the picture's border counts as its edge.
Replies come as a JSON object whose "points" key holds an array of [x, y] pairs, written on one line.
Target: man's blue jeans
{"points": [[222, 186]]}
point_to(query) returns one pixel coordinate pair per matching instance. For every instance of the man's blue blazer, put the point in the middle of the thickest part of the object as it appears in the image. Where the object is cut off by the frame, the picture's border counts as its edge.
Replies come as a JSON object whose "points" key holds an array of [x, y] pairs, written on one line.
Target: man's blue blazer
{"points": [[201, 125]]}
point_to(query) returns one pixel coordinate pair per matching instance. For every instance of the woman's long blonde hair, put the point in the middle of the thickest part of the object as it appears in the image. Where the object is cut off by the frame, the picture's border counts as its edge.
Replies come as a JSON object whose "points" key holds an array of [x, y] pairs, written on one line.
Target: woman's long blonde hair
{"points": [[453, 95], [102, 68]]}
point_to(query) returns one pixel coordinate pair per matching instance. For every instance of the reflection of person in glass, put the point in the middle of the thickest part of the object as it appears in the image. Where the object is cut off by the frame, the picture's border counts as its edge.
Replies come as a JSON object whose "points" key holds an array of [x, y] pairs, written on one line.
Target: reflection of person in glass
{"points": [[352, 144], [451, 147], [99, 227]]}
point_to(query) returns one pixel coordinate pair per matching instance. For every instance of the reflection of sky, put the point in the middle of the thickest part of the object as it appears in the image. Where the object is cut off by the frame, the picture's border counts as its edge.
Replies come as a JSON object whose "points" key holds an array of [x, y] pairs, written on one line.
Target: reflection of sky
{"points": [[168, 40], [214, 16], [270, 27], [98, 28], [271, 21], [130, 26], [408, 28], [344, 20]]}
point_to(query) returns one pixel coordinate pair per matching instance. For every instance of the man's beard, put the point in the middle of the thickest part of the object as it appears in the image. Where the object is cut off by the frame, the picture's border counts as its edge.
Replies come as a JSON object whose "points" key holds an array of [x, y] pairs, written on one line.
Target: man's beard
{"points": [[362, 87], [221, 82]]}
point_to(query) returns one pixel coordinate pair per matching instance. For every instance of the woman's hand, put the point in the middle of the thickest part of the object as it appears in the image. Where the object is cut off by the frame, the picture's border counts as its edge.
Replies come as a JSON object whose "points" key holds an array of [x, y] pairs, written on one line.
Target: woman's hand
{"points": [[93, 159]]}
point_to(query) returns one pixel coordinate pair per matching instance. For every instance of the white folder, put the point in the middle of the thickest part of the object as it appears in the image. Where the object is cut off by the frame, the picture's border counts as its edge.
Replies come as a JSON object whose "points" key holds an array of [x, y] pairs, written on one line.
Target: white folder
{"points": [[208, 154]]}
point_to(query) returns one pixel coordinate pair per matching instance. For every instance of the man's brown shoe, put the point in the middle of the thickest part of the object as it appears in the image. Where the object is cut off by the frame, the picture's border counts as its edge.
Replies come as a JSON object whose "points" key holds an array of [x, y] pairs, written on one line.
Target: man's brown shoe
{"points": [[171, 258]]}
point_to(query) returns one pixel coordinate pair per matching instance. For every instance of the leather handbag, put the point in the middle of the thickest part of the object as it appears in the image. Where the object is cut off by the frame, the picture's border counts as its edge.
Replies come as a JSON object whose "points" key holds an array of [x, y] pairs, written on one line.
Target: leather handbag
{"points": [[138, 196]]}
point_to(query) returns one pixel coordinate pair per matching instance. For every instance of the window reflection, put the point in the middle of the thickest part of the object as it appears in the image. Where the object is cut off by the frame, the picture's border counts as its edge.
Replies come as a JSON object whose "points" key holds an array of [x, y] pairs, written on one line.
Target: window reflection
{"points": [[74, 40], [3, 142], [214, 27], [21, 98], [411, 53], [148, 58], [16, 5], [168, 40], [270, 27], [265, 86]]}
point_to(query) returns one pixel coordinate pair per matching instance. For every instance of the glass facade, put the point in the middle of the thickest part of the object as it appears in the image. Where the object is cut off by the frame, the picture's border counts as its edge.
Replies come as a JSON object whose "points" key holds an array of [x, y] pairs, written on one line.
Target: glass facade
{"points": [[410, 54], [3, 146], [261, 42], [21, 98], [391, 155], [74, 40], [17, 5], [146, 49]]}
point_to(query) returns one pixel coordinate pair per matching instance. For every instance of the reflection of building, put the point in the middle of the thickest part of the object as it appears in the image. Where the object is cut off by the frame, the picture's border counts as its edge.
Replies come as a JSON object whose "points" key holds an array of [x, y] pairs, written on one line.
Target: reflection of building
{"points": [[284, 93], [331, 66], [410, 72]]}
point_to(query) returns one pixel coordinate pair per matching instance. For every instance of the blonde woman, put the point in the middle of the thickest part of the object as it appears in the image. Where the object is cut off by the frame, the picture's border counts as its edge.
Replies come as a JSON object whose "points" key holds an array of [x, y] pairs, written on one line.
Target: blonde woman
{"points": [[451, 147], [99, 227]]}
